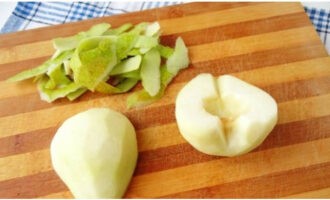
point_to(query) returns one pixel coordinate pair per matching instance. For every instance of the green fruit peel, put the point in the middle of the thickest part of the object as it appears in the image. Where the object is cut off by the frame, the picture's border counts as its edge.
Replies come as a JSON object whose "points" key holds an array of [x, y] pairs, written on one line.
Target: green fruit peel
{"points": [[111, 61]]}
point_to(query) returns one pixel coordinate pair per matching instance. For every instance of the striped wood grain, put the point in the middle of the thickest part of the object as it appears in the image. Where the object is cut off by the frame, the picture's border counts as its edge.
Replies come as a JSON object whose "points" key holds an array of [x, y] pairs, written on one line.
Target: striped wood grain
{"points": [[271, 45]]}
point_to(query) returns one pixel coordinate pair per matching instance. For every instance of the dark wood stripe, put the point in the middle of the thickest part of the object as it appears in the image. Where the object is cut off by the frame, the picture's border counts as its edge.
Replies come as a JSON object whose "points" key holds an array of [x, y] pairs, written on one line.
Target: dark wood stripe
{"points": [[10, 69], [40, 139], [229, 31], [32, 186], [67, 29], [140, 117], [240, 29], [27, 142], [299, 89], [275, 185], [216, 67], [184, 154]]}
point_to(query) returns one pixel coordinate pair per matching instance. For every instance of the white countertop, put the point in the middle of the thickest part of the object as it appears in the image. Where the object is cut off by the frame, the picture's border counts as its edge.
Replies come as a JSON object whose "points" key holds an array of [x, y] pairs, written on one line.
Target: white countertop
{"points": [[6, 8]]}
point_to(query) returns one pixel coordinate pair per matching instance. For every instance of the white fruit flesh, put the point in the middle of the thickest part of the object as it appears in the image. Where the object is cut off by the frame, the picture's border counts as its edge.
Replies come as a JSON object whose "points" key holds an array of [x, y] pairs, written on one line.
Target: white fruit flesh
{"points": [[95, 153], [224, 116]]}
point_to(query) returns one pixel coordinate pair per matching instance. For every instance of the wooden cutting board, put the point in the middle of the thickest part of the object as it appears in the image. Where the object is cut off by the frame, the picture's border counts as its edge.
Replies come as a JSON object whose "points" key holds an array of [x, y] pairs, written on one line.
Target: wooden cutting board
{"points": [[271, 45]]}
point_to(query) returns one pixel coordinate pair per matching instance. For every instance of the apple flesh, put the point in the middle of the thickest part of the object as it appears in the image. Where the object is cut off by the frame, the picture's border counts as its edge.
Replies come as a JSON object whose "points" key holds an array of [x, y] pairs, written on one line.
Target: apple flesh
{"points": [[95, 153], [224, 116]]}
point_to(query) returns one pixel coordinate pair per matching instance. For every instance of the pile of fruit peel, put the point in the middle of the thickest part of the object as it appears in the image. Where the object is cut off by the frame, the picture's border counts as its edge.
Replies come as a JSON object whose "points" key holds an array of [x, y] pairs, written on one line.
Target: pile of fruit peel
{"points": [[111, 61]]}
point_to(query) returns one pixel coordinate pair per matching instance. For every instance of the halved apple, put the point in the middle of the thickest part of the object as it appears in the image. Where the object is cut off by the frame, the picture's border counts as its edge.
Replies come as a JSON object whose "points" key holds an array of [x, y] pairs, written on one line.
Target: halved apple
{"points": [[224, 116]]}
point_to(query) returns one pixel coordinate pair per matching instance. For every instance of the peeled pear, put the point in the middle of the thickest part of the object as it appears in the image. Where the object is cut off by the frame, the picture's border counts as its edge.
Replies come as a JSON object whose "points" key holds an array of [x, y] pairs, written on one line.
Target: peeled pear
{"points": [[224, 116], [95, 153]]}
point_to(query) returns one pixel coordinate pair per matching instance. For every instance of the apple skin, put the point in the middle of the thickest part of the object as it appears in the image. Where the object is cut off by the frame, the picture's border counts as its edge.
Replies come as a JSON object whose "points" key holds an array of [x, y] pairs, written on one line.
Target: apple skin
{"points": [[224, 116], [95, 153]]}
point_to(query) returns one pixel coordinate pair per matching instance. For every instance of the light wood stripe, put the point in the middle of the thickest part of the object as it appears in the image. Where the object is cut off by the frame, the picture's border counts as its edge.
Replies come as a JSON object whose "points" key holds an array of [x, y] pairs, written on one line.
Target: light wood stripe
{"points": [[287, 113], [159, 136], [297, 109], [17, 89], [26, 51], [228, 16], [25, 164], [273, 185], [321, 193], [44, 48], [284, 73], [223, 171]]}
